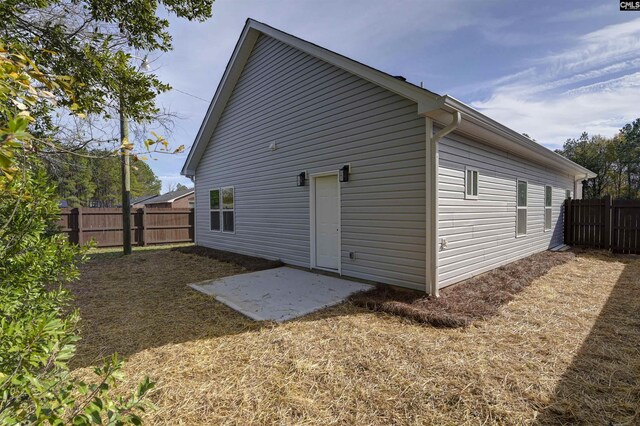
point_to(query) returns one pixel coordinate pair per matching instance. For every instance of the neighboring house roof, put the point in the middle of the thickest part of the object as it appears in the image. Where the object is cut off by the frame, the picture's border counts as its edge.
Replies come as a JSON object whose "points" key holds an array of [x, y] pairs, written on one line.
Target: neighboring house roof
{"points": [[170, 197], [142, 199], [439, 108]]}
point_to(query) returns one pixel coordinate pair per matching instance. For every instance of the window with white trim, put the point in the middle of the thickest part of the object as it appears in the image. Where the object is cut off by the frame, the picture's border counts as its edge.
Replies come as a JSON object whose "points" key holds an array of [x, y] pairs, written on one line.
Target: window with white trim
{"points": [[214, 210], [548, 202], [471, 184], [521, 218], [228, 210]]}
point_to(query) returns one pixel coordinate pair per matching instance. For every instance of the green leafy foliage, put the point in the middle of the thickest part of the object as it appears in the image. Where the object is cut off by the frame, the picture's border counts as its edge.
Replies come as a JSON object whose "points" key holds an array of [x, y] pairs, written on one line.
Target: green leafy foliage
{"points": [[65, 60], [38, 327], [616, 161], [38, 331], [93, 178], [100, 43], [94, 41], [18, 95]]}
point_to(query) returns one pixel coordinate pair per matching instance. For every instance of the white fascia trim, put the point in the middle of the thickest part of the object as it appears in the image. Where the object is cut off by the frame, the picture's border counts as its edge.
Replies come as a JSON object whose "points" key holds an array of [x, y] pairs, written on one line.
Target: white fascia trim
{"points": [[232, 72], [177, 198], [427, 101], [476, 117], [171, 200]]}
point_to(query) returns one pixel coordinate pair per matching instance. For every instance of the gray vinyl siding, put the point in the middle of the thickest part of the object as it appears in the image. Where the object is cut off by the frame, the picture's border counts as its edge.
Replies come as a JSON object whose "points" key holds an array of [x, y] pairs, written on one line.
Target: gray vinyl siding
{"points": [[481, 234], [320, 117]]}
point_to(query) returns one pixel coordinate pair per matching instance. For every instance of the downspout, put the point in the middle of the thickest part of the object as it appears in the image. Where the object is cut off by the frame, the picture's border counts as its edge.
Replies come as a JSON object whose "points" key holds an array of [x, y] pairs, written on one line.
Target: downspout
{"points": [[195, 210], [584, 184], [433, 161], [579, 181]]}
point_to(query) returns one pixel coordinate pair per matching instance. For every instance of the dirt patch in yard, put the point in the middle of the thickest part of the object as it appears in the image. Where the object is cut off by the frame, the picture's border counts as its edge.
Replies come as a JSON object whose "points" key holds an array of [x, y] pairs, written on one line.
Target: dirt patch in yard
{"points": [[461, 304], [250, 263]]}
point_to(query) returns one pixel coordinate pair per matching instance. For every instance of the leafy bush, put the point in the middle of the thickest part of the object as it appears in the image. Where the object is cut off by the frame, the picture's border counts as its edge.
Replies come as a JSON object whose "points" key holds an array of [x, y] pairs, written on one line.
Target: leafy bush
{"points": [[38, 328]]}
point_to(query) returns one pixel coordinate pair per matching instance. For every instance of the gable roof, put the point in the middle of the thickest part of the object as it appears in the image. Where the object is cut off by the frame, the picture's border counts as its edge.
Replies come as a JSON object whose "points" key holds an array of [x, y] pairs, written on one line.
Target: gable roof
{"points": [[439, 108], [140, 199], [170, 197]]}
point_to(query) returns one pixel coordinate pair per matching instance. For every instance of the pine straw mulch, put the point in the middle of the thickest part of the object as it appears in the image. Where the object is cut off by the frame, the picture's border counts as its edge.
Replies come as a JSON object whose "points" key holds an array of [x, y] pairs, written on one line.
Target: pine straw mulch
{"points": [[565, 350], [249, 263], [461, 304]]}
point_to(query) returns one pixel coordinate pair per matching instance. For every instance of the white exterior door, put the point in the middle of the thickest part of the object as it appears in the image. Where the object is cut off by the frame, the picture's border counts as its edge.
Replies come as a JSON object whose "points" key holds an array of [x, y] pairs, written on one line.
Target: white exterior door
{"points": [[327, 223]]}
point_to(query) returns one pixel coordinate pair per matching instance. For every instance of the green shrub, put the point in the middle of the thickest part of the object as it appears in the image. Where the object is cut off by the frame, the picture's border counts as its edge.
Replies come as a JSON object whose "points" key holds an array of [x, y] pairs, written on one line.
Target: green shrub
{"points": [[38, 331], [38, 327]]}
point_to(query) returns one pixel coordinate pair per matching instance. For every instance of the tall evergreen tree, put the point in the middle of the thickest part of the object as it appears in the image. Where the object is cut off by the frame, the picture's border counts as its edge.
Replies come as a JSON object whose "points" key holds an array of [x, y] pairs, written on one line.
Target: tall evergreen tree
{"points": [[143, 180], [616, 161], [630, 134], [93, 178]]}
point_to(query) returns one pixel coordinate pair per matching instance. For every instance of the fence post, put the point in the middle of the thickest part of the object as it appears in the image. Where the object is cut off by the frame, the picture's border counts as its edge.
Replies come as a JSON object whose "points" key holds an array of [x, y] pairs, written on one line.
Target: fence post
{"points": [[192, 225], [567, 221], [607, 222], [144, 226], [80, 225]]}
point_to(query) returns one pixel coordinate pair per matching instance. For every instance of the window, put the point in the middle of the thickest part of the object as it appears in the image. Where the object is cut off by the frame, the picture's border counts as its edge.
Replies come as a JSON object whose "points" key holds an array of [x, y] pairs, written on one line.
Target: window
{"points": [[221, 209], [521, 220], [471, 184], [214, 209], [228, 212], [548, 201]]}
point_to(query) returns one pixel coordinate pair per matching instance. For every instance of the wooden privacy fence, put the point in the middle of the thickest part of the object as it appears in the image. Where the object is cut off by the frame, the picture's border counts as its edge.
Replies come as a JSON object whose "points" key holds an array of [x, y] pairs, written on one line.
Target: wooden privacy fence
{"points": [[148, 226], [603, 223]]}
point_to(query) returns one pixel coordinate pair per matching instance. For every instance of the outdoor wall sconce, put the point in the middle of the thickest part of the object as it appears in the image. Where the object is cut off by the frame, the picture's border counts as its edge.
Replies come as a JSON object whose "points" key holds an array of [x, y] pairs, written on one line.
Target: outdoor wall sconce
{"points": [[302, 179], [343, 173]]}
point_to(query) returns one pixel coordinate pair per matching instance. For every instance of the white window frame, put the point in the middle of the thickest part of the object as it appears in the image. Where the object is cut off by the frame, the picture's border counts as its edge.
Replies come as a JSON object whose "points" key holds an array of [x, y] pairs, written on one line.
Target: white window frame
{"points": [[549, 208], [219, 209], [525, 207], [475, 176], [223, 209]]}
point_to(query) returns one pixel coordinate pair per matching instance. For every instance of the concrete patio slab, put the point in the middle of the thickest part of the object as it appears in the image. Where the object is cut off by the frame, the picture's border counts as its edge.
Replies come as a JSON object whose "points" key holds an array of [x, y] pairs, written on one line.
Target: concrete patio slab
{"points": [[279, 294]]}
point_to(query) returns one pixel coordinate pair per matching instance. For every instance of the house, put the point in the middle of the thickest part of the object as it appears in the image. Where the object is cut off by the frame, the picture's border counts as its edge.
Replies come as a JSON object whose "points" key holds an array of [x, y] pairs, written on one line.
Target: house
{"points": [[318, 160], [178, 199], [138, 202]]}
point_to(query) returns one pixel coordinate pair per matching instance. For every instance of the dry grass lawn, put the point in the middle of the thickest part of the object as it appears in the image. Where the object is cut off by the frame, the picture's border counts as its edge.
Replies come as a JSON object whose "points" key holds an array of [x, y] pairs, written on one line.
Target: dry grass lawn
{"points": [[565, 350]]}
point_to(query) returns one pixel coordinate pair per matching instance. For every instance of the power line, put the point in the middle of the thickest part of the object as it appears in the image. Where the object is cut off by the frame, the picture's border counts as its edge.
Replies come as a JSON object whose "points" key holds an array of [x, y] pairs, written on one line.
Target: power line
{"points": [[189, 94]]}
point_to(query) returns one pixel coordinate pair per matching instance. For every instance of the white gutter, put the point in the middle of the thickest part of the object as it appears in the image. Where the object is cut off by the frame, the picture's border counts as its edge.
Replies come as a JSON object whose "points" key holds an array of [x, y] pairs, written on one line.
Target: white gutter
{"points": [[475, 120], [457, 117], [431, 197]]}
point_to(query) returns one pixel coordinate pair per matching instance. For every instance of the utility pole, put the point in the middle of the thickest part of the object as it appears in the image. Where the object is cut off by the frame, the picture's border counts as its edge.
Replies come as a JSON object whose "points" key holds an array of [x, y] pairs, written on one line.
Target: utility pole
{"points": [[126, 168], [126, 181]]}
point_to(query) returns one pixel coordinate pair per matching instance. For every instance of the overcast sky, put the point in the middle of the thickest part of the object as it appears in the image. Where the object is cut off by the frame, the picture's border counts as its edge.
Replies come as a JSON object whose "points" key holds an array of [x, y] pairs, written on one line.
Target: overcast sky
{"points": [[552, 69]]}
